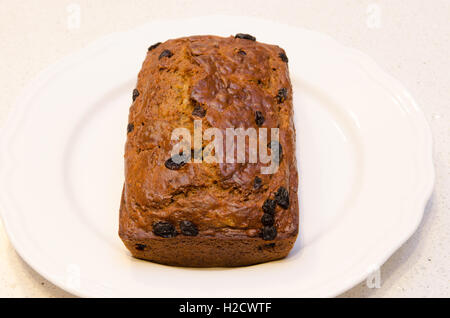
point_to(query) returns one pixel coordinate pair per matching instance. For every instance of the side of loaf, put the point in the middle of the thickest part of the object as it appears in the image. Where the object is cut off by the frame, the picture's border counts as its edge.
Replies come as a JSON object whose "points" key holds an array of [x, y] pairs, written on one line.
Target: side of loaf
{"points": [[209, 214]]}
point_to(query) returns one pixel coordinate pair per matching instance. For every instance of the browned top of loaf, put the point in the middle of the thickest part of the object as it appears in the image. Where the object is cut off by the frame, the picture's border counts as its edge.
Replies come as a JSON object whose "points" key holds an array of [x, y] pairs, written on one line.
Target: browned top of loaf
{"points": [[231, 78]]}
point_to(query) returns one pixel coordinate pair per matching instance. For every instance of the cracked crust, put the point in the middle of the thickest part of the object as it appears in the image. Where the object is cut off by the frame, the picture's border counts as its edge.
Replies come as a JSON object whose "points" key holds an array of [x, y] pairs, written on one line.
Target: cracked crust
{"points": [[220, 199]]}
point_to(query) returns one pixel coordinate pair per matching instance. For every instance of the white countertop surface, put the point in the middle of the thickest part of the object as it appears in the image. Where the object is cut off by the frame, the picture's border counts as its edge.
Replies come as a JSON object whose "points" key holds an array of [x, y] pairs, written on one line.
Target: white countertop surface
{"points": [[410, 39]]}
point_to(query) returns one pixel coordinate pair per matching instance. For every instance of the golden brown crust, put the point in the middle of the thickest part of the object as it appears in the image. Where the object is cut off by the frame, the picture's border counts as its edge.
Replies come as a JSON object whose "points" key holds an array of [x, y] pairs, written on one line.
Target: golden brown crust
{"points": [[231, 79]]}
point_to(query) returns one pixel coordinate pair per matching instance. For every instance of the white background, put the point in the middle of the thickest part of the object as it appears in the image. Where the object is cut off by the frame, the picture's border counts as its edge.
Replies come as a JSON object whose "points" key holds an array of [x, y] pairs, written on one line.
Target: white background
{"points": [[410, 39]]}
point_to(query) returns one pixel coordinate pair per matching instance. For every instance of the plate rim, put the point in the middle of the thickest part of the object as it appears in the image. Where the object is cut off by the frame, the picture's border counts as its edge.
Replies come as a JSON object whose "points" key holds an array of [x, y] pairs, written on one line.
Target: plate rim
{"points": [[415, 207]]}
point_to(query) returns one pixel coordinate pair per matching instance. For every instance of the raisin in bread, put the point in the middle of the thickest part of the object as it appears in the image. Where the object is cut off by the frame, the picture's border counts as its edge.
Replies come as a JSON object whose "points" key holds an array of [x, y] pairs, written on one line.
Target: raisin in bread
{"points": [[209, 214]]}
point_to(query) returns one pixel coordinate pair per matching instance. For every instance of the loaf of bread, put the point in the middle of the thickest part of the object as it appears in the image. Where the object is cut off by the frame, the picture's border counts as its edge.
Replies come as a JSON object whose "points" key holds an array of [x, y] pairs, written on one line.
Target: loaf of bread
{"points": [[209, 214]]}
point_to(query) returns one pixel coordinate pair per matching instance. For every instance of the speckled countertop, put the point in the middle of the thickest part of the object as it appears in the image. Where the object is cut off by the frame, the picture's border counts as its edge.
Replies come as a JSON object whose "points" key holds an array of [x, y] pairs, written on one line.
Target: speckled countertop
{"points": [[410, 39]]}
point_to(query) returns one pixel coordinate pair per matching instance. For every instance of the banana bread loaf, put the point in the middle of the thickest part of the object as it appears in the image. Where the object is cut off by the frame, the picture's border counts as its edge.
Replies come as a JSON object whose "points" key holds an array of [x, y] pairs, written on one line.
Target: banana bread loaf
{"points": [[209, 214]]}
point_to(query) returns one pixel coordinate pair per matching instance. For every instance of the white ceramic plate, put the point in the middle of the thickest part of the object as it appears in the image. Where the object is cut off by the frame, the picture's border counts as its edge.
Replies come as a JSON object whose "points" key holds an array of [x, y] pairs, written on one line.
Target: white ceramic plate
{"points": [[364, 151]]}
